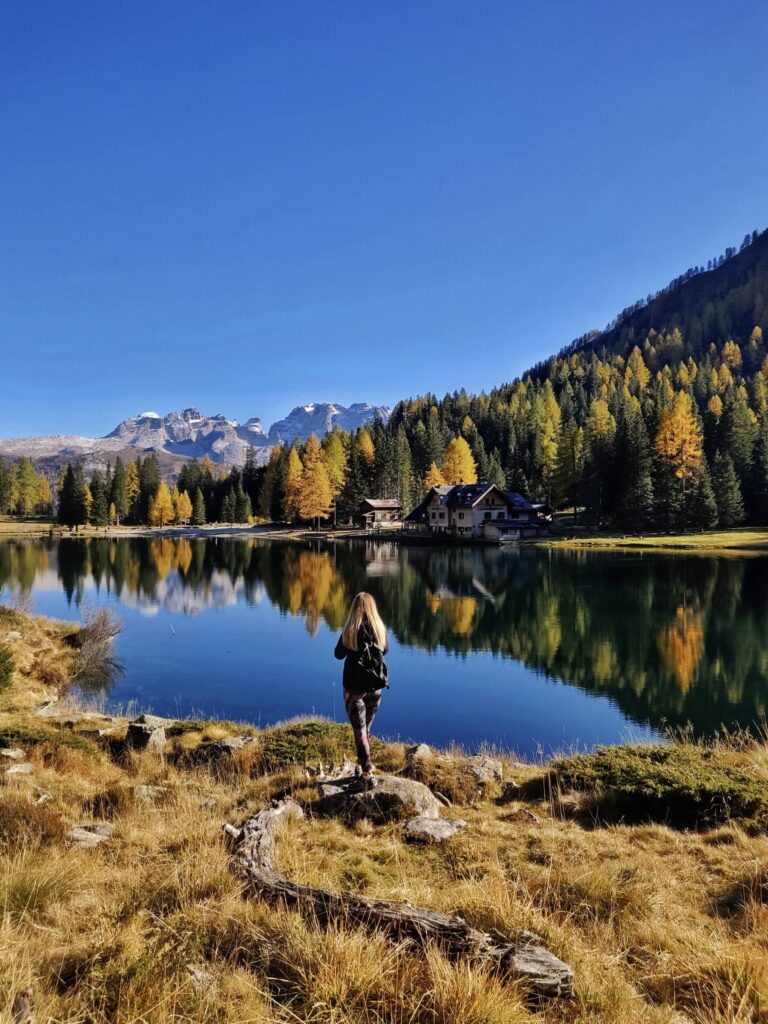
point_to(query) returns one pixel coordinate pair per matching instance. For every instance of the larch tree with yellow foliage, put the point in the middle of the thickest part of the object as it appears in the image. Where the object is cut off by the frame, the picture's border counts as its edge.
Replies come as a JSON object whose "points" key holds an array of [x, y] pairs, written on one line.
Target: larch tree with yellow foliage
{"points": [[183, 508], [161, 511], [434, 478], [459, 465], [294, 471], [679, 447], [315, 497]]}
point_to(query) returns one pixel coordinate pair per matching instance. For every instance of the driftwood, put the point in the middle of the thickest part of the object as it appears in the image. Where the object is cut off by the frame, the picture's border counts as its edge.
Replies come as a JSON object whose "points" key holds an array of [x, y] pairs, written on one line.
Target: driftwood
{"points": [[523, 960]]}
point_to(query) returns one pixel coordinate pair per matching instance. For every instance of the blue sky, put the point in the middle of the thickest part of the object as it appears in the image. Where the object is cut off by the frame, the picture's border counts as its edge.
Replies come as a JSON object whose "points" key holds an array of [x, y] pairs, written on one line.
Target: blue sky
{"points": [[246, 206]]}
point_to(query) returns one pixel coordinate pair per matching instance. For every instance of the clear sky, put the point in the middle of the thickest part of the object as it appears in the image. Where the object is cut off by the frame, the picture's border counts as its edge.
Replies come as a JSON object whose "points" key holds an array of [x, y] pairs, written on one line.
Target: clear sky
{"points": [[246, 206]]}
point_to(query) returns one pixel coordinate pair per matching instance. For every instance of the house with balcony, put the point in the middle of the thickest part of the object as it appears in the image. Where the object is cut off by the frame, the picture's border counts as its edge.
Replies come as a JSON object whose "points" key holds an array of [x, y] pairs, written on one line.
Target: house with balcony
{"points": [[473, 512]]}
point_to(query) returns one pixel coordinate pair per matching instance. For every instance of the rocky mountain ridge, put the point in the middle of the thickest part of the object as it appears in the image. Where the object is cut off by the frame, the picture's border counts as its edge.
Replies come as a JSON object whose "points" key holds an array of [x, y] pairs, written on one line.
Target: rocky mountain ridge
{"points": [[181, 436]]}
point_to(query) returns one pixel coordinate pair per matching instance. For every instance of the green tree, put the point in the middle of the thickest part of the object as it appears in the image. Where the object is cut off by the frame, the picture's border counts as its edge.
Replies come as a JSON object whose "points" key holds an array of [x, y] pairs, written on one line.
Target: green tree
{"points": [[99, 511], [725, 484], [73, 503], [243, 510], [198, 508], [118, 492]]}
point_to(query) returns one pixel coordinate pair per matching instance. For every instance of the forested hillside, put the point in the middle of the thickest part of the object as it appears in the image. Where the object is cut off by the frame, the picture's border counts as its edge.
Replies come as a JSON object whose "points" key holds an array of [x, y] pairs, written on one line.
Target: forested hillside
{"points": [[658, 420]]}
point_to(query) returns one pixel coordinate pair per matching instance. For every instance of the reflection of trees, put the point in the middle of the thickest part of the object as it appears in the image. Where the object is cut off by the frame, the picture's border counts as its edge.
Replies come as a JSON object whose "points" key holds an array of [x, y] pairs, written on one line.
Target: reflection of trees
{"points": [[681, 639]]}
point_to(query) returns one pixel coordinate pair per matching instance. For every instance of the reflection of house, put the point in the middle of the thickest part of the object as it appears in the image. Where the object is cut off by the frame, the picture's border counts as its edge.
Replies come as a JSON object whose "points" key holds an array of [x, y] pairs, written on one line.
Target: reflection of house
{"points": [[474, 512], [376, 512]]}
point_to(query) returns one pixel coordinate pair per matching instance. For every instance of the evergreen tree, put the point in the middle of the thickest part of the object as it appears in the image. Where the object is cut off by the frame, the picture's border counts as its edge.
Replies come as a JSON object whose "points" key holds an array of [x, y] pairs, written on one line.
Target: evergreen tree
{"points": [[495, 473], [725, 483], [703, 505], [99, 511], [118, 492], [757, 494], [355, 486], [406, 482], [268, 493], [73, 505], [198, 508], [149, 482], [229, 506], [243, 511], [132, 492]]}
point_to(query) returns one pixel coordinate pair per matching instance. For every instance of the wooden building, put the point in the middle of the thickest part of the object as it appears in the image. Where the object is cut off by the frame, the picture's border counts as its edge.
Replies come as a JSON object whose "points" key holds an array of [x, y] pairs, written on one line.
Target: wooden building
{"points": [[376, 513], [473, 512]]}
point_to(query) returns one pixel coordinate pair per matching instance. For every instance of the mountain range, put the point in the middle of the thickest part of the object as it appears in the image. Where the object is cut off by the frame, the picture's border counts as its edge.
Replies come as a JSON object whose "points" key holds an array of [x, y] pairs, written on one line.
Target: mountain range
{"points": [[181, 436]]}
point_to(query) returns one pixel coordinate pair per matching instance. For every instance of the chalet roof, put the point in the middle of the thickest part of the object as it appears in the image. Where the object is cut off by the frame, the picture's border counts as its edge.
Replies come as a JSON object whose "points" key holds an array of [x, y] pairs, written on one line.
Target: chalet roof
{"points": [[384, 503], [518, 501], [467, 494]]}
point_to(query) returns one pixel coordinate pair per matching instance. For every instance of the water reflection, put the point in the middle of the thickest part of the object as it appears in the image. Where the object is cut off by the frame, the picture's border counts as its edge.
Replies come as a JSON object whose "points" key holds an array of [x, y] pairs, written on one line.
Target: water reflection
{"points": [[668, 639]]}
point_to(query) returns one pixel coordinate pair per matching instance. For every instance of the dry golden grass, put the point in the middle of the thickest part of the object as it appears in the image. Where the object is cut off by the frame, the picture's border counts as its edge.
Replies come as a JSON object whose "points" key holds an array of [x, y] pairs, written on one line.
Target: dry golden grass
{"points": [[744, 541], [661, 926]]}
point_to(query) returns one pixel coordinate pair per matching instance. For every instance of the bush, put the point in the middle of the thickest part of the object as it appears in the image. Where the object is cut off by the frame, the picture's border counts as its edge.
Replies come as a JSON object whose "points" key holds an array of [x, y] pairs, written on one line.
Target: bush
{"points": [[96, 664], [22, 822], [6, 668], [678, 785]]}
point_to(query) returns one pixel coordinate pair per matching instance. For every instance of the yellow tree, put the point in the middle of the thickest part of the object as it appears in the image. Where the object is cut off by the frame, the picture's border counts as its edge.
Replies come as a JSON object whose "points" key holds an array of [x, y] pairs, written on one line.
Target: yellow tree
{"points": [[161, 511], [336, 459], [112, 513], [183, 508], [434, 478], [679, 437], [132, 486], [175, 499], [458, 464], [315, 497], [292, 486], [640, 372], [365, 445], [44, 494]]}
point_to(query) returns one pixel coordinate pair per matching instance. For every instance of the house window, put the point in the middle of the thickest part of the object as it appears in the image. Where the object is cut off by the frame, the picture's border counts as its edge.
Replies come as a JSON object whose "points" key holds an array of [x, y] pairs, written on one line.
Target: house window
{"points": [[500, 515], [442, 515], [461, 515], [487, 515]]}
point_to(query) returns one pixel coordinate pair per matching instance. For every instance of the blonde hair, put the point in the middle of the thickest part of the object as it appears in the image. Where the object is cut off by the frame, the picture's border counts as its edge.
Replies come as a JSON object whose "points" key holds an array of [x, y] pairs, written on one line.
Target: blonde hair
{"points": [[363, 607]]}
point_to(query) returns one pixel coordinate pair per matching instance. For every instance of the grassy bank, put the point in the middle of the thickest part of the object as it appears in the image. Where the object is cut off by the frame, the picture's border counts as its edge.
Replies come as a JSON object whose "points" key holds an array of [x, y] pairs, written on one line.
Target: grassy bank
{"points": [[743, 541], [663, 920]]}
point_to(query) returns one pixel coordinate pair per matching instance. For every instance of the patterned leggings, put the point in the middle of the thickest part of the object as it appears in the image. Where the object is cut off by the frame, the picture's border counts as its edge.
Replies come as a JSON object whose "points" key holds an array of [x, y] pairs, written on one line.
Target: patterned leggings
{"points": [[361, 710]]}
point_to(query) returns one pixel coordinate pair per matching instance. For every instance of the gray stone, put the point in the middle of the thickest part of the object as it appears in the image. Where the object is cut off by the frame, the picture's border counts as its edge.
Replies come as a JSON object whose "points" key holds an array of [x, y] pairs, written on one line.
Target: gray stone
{"points": [[145, 736], [12, 634], [90, 835], [49, 708], [485, 769], [149, 794], [392, 798], [216, 750], [524, 815], [12, 753], [22, 768], [154, 720], [511, 791], [432, 830], [418, 752]]}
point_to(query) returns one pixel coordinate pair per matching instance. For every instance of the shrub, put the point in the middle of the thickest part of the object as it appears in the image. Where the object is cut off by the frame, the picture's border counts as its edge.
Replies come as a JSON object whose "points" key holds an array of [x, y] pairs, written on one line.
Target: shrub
{"points": [[678, 785], [96, 664], [48, 674], [6, 668]]}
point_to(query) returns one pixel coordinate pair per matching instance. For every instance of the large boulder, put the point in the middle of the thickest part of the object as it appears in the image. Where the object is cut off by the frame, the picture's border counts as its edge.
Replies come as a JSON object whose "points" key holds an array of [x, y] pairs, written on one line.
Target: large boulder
{"points": [[392, 799], [485, 769], [145, 735], [432, 830]]}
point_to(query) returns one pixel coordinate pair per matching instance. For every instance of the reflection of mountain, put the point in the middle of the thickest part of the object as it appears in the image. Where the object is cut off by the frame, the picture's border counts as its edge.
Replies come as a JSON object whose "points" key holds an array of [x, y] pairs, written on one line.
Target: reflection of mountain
{"points": [[675, 639]]}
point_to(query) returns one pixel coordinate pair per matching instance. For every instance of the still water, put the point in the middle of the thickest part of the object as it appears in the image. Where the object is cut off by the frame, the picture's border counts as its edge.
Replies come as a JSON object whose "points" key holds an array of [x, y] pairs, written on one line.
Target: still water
{"points": [[526, 648]]}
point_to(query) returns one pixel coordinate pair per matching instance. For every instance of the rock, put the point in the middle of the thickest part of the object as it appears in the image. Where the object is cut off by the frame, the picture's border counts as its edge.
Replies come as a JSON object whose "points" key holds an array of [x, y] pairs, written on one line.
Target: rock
{"points": [[22, 1007], [155, 720], [432, 830], [145, 736], [12, 634], [149, 794], [510, 792], [522, 814], [43, 797], [391, 798], [418, 752], [12, 753], [485, 769], [90, 835], [201, 978], [22, 768], [216, 750], [49, 708]]}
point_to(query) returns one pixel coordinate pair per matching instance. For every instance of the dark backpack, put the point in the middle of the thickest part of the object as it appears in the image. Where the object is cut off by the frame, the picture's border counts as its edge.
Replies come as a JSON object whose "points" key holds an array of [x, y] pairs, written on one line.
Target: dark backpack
{"points": [[370, 660]]}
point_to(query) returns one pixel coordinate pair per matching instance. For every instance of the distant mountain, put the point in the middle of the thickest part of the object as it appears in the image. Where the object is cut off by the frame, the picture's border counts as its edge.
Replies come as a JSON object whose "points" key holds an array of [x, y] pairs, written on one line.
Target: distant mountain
{"points": [[320, 418], [181, 436]]}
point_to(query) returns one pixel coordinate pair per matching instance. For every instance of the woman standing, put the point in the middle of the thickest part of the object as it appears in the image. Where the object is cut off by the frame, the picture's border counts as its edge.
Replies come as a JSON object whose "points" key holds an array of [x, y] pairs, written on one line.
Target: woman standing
{"points": [[362, 645]]}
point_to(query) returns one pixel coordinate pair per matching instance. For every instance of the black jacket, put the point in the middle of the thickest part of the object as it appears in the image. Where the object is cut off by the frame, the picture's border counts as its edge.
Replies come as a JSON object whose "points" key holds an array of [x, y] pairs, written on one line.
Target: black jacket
{"points": [[356, 679]]}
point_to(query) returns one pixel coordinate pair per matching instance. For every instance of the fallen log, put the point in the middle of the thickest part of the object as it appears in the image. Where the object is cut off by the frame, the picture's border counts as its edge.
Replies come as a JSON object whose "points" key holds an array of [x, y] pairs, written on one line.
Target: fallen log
{"points": [[523, 959]]}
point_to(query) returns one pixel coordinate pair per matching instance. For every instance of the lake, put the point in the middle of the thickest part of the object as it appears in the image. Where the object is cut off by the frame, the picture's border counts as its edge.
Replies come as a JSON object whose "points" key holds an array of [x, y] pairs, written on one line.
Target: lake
{"points": [[528, 648]]}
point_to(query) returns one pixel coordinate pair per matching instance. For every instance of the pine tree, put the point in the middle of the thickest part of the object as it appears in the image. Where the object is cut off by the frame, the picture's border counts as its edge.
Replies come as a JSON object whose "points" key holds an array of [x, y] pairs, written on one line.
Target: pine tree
{"points": [[406, 481], [118, 492], [161, 511], [434, 478], [149, 481], [228, 506], [725, 483], [495, 471], [703, 505], [757, 493], [99, 511], [268, 492], [315, 497], [243, 511], [294, 470], [198, 508], [458, 465], [73, 504]]}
